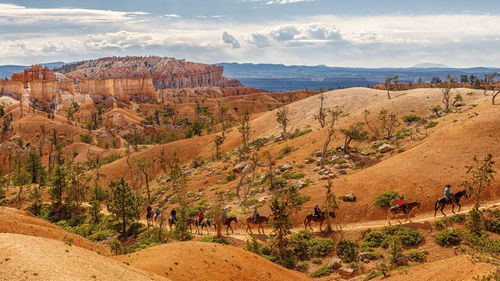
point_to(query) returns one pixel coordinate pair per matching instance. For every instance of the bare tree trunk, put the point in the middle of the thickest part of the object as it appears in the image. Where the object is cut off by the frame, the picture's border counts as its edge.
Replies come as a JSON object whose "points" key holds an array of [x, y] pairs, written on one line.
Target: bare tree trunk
{"points": [[493, 97], [325, 148]]}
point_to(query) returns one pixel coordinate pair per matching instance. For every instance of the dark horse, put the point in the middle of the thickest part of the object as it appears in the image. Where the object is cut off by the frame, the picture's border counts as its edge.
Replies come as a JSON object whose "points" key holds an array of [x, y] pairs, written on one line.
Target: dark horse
{"points": [[395, 210], [189, 222], [441, 202], [227, 222], [261, 220], [311, 217]]}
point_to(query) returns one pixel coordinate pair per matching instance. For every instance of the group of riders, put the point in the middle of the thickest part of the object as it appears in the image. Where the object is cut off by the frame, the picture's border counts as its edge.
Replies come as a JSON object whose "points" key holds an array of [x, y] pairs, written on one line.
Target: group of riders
{"points": [[255, 214]]}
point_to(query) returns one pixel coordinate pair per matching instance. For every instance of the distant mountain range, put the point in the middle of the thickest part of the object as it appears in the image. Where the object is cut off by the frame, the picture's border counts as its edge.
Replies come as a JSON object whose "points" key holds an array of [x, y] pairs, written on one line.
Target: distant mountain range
{"points": [[279, 77], [7, 70]]}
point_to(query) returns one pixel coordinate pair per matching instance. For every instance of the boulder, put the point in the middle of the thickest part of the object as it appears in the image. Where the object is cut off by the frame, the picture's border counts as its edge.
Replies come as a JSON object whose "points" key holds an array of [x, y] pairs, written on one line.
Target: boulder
{"points": [[309, 161], [326, 177], [318, 161], [349, 198], [300, 184], [262, 199], [286, 166], [318, 153], [342, 166], [335, 158], [385, 148], [335, 263], [247, 168], [345, 271], [239, 167]]}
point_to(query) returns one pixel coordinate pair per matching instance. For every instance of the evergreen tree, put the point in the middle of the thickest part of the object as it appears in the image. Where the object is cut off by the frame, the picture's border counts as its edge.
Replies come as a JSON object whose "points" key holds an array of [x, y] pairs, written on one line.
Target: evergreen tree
{"points": [[124, 204], [97, 196], [330, 205], [35, 168], [58, 182], [20, 176], [36, 200], [280, 221]]}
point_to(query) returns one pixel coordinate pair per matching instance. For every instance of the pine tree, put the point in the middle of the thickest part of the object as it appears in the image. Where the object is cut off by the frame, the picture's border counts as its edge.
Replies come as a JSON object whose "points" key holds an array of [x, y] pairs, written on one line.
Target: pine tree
{"points": [[36, 200], [280, 221], [244, 129], [97, 196], [124, 204], [330, 205], [35, 168], [58, 182]]}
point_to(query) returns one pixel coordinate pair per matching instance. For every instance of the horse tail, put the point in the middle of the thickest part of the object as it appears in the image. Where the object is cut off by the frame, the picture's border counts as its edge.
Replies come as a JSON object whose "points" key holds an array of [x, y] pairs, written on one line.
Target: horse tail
{"points": [[436, 205], [305, 220]]}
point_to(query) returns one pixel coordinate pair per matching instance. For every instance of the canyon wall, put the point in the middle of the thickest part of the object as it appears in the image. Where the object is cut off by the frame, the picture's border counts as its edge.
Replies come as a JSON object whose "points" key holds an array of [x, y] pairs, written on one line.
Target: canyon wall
{"points": [[42, 93], [122, 89], [12, 88], [68, 86]]}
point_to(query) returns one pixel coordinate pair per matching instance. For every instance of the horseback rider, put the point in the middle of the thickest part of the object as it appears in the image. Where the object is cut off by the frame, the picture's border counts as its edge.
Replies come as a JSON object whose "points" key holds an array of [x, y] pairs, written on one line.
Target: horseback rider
{"points": [[224, 216], [157, 213], [173, 212], [255, 215], [201, 216], [402, 204], [149, 212], [317, 211], [450, 197]]}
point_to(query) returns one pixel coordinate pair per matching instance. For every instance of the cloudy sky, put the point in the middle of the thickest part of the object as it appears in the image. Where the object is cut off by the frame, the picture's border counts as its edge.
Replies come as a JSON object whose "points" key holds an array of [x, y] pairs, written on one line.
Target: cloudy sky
{"points": [[355, 33]]}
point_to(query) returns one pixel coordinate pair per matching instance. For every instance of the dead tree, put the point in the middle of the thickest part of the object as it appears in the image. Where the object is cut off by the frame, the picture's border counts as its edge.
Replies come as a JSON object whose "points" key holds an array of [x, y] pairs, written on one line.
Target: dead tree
{"points": [[321, 115], [389, 122], [446, 86], [389, 81], [333, 116], [282, 118]]}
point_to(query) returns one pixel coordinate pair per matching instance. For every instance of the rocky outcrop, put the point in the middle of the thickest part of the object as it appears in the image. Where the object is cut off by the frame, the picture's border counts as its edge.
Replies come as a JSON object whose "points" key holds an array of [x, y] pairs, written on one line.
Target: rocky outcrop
{"points": [[165, 72], [34, 73], [12, 88], [67, 86], [42, 93], [120, 89]]}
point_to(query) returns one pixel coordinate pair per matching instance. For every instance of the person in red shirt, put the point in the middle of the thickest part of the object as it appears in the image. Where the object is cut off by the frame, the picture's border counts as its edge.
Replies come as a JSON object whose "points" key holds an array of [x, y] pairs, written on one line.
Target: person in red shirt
{"points": [[201, 216], [149, 212], [402, 204]]}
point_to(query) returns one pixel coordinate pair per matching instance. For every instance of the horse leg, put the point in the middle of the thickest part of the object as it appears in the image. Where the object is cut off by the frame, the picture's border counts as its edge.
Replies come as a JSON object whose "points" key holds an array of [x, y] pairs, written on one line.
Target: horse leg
{"points": [[453, 208], [320, 224], [459, 206], [442, 207]]}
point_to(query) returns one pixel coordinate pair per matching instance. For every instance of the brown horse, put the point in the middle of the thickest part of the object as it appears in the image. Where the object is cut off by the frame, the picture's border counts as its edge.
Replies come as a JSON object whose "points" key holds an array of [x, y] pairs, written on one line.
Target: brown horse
{"points": [[311, 217], [396, 210], [227, 222], [189, 222], [441, 202], [261, 220], [206, 223]]}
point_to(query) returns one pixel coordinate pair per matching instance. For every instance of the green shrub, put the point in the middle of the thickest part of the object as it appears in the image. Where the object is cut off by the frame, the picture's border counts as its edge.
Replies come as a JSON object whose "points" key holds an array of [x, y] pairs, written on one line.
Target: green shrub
{"points": [[304, 266], [374, 239], [254, 246], [284, 151], [319, 247], [374, 255], [431, 124], [86, 138], [300, 133], [492, 226], [300, 199], [293, 175], [412, 118], [474, 221], [348, 249], [116, 247], [322, 271], [449, 237], [316, 260], [384, 199], [408, 237], [298, 242], [415, 255], [215, 239]]}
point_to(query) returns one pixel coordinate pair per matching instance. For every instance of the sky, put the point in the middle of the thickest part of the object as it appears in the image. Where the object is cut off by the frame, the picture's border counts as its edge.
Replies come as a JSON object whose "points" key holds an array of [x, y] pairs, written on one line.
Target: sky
{"points": [[345, 33]]}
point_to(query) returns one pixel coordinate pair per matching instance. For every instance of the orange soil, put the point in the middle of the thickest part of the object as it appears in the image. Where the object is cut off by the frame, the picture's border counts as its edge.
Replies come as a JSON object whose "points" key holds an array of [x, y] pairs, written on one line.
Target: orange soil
{"points": [[21, 222], [191, 261], [33, 258]]}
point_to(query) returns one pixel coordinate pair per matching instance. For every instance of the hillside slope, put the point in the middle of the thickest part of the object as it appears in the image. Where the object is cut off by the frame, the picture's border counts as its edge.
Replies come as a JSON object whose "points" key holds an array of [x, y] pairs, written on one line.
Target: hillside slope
{"points": [[190, 261], [33, 258]]}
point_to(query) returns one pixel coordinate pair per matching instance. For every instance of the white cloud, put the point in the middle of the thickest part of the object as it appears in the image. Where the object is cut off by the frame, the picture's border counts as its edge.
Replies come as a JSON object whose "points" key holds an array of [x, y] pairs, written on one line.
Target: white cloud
{"points": [[284, 33], [284, 2], [229, 39], [171, 16], [259, 40], [18, 15]]}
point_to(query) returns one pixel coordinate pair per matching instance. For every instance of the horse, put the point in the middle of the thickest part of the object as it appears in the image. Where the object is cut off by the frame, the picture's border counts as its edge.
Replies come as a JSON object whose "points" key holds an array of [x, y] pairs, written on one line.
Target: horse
{"points": [[395, 210], [189, 222], [206, 223], [259, 221], [312, 217], [149, 218], [227, 222], [444, 200]]}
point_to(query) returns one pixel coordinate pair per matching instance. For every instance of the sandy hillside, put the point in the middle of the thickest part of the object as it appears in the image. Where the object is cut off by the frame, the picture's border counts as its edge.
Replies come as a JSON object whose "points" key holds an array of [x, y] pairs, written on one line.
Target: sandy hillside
{"points": [[20, 222], [33, 258], [190, 261]]}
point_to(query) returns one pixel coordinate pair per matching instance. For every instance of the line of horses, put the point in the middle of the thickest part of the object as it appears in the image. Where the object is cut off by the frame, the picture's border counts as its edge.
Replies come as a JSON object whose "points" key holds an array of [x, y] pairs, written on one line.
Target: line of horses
{"points": [[261, 221]]}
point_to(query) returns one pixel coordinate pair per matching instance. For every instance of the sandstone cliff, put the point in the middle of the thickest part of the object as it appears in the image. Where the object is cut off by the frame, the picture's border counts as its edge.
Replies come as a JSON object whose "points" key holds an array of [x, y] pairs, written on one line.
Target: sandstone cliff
{"points": [[12, 88], [166, 72], [42, 93], [121, 89]]}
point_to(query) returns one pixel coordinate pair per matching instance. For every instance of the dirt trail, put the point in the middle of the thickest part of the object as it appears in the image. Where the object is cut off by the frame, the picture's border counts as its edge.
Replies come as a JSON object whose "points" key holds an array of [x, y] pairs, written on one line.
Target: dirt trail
{"points": [[421, 218]]}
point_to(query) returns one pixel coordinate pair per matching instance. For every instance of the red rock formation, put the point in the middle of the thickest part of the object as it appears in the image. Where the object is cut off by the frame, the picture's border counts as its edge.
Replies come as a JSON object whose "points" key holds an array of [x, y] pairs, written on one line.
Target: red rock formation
{"points": [[42, 93], [68, 86], [13, 88], [166, 72], [34, 73], [121, 89]]}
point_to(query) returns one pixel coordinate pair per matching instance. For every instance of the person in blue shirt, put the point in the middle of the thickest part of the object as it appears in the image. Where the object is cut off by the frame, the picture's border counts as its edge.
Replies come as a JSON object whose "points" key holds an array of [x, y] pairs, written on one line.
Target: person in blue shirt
{"points": [[448, 194]]}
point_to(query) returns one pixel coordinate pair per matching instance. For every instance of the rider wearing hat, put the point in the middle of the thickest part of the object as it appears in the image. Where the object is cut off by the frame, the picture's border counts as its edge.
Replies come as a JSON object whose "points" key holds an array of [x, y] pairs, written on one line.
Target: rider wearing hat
{"points": [[317, 211]]}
